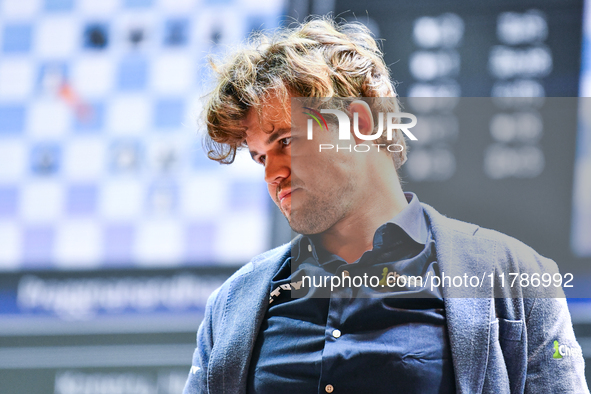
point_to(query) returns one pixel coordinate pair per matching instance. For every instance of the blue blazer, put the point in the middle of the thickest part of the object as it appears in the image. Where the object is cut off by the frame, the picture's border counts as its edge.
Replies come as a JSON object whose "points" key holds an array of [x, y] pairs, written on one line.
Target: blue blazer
{"points": [[502, 340]]}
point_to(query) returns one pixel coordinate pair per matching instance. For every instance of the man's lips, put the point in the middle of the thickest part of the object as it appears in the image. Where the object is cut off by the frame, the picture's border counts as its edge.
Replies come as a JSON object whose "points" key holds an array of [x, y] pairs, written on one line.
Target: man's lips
{"points": [[283, 194]]}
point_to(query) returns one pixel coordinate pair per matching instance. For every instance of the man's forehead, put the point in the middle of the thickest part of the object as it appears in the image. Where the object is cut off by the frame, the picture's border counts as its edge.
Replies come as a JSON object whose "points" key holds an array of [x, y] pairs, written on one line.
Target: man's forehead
{"points": [[271, 115]]}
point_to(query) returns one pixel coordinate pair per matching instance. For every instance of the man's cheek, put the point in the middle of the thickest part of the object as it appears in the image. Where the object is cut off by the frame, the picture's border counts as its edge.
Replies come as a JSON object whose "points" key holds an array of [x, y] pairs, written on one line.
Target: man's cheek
{"points": [[302, 148]]}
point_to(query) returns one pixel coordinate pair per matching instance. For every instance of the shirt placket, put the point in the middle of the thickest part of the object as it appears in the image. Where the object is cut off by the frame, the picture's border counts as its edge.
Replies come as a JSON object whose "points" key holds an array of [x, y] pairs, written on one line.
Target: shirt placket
{"points": [[333, 335]]}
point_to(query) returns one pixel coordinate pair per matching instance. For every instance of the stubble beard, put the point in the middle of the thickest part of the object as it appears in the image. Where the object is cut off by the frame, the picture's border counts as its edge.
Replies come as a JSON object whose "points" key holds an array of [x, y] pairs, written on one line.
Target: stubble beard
{"points": [[318, 213]]}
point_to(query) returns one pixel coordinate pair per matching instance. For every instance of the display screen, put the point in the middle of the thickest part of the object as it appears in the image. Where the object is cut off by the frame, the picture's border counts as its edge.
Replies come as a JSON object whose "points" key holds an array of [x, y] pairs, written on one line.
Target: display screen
{"points": [[581, 224], [101, 163], [511, 168]]}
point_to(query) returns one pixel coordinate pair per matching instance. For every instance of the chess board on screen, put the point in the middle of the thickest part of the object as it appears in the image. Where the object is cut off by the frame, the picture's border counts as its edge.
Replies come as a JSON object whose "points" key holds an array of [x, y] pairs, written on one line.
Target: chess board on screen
{"points": [[101, 164]]}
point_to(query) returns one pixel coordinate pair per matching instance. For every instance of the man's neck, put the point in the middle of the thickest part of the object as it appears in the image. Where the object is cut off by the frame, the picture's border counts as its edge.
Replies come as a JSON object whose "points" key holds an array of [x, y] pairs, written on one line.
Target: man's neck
{"points": [[353, 235]]}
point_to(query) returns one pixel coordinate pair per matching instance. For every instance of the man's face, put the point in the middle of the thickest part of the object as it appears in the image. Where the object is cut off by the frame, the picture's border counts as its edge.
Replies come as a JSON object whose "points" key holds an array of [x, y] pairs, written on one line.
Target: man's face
{"points": [[313, 190]]}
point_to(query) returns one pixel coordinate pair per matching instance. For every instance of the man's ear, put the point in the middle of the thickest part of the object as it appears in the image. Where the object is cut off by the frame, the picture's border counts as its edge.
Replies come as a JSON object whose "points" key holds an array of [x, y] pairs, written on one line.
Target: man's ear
{"points": [[365, 119]]}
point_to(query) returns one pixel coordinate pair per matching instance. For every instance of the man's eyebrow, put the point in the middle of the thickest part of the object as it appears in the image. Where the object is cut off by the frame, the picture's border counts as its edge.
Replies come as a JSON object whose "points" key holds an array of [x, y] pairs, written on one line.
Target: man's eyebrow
{"points": [[278, 133], [274, 136]]}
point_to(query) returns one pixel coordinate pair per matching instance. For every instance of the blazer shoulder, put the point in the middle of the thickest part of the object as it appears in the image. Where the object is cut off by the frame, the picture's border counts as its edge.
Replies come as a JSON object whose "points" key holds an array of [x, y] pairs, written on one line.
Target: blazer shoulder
{"points": [[511, 247], [455, 229], [262, 263], [442, 223], [510, 252]]}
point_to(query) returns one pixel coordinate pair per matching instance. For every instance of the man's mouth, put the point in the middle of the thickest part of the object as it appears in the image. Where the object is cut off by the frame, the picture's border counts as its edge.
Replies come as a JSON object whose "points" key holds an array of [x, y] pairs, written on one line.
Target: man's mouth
{"points": [[284, 193]]}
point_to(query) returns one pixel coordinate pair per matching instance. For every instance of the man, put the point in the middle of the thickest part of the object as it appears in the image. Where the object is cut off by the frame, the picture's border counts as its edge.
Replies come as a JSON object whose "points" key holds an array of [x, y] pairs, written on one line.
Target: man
{"points": [[268, 330]]}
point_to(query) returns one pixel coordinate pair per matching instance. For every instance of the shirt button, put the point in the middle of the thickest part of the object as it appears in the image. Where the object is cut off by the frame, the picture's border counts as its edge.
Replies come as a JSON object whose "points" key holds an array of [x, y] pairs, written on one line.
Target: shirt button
{"points": [[346, 273], [336, 333], [309, 248], [329, 388]]}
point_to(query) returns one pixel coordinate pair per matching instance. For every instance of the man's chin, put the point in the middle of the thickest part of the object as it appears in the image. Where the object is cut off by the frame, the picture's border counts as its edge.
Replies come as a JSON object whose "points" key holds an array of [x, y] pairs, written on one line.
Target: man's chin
{"points": [[306, 224], [304, 217]]}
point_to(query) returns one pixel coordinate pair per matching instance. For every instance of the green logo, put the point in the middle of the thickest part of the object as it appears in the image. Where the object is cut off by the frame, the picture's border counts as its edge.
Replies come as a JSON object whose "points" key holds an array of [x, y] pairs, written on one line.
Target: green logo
{"points": [[556, 354], [384, 282], [388, 278]]}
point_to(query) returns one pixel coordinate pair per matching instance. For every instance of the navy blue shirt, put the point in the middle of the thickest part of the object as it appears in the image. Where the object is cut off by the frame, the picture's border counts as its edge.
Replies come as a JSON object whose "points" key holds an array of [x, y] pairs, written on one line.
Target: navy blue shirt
{"points": [[387, 336]]}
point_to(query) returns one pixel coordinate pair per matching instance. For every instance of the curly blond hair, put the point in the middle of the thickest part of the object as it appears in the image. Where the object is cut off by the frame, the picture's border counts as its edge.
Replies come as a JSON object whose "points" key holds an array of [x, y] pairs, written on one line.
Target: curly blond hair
{"points": [[317, 58]]}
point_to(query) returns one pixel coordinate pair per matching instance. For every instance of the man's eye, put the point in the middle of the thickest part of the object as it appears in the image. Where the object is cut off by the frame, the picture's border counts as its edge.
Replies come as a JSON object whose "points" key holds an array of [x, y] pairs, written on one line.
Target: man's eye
{"points": [[261, 160], [285, 141]]}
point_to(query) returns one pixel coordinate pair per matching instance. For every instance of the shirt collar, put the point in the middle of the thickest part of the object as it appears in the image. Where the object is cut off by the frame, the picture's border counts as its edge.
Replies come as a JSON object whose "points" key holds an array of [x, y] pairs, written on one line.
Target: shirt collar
{"points": [[303, 246], [411, 220]]}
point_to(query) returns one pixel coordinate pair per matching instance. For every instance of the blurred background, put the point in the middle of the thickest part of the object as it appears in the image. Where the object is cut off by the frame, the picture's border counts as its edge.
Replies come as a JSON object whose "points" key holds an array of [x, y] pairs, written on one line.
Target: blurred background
{"points": [[115, 228]]}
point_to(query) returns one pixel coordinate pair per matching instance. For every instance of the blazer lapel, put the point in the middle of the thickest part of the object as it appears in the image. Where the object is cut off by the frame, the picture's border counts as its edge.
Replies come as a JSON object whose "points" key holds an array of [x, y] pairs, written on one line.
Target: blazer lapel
{"points": [[246, 305], [469, 311]]}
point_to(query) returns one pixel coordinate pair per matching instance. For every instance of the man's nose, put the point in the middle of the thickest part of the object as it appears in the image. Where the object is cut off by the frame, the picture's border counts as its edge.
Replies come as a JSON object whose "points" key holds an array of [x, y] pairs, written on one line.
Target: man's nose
{"points": [[277, 168]]}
